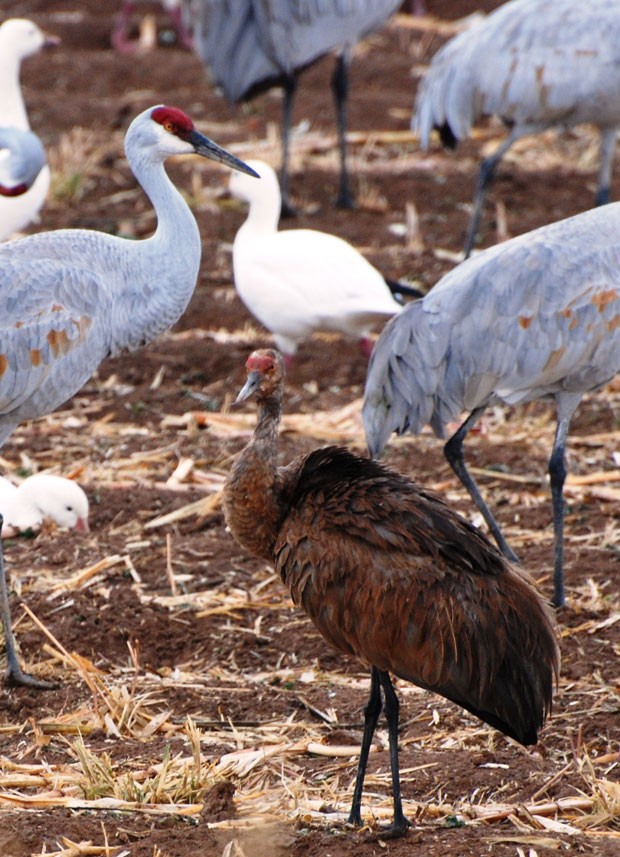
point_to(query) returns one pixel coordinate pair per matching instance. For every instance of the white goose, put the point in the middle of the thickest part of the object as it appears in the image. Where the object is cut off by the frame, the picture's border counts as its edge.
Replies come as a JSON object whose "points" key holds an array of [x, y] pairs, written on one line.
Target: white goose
{"points": [[19, 38], [42, 496], [299, 281]]}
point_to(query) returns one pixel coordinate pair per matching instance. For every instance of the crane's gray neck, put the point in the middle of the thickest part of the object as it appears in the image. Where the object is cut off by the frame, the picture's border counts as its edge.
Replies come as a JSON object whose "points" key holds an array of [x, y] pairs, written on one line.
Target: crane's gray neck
{"points": [[174, 217], [161, 271]]}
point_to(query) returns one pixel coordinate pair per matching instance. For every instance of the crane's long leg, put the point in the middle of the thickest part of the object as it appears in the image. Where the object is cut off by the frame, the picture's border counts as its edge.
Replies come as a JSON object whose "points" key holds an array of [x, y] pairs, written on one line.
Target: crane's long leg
{"points": [[371, 715], [290, 86], [400, 823], [566, 405], [340, 88], [380, 679], [608, 147], [14, 673], [453, 450], [557, 475], [485, 177]]}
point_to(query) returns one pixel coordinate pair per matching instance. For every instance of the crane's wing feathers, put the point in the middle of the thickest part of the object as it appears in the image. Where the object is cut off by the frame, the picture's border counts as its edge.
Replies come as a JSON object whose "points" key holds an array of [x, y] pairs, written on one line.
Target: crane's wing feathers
{"points": [[351, 557], [536, 64], [253, 44], [43, 328], [521, 320]]}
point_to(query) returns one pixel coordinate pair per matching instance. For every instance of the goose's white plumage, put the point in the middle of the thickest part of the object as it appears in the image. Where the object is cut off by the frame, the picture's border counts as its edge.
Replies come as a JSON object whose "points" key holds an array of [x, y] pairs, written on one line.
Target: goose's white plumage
{"points": [[72, 297], [299, 281], [42, 496], [20, 38]]}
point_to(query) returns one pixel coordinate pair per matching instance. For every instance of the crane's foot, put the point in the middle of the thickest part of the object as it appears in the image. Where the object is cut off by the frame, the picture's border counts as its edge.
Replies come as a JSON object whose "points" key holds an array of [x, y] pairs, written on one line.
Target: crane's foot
{"points": [[16, 677], [344, 200], [396, 830]]}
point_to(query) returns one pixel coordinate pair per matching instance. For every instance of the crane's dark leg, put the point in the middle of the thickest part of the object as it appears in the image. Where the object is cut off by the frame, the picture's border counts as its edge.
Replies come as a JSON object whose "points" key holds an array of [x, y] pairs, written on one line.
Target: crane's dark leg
{"points": [[453, 450], [340, 88], [485, 177], [608, 147], [14, 673], [371, 715], [400, 824], [557, 475], [290, 86]]}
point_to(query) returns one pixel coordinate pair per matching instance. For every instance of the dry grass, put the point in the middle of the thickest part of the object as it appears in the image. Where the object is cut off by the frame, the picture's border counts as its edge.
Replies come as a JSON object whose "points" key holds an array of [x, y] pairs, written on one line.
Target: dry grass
{"points": [[264, 758]]}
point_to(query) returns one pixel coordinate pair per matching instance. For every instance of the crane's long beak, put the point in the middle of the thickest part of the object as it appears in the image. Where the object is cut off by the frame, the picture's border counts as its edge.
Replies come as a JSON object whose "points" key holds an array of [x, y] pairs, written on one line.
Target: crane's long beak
{"points": [[250, 386], [208, 149]]}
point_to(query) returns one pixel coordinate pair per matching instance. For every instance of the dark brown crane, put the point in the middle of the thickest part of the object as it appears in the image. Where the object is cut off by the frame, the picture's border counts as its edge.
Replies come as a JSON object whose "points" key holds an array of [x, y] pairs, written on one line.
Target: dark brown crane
{"points": [[388, 572]]}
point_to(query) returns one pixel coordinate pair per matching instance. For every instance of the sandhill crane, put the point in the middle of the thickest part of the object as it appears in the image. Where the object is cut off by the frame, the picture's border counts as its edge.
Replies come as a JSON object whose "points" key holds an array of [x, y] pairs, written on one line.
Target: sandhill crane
{"points": [[19, 39], [41, 496], [299, 280], [72, 297], [253, 45], [22, 157], [537, 316], [536, 64], [386, 571]]}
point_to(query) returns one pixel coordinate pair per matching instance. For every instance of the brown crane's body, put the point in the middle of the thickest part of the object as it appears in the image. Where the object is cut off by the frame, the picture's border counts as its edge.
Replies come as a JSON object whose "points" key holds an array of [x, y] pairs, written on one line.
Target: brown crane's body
{"points": [[388, 572]]}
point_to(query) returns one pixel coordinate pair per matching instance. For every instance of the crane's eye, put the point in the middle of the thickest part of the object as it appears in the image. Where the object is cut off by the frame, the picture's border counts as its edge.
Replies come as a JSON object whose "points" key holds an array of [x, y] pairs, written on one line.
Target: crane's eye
{"points": [[169, 126]]}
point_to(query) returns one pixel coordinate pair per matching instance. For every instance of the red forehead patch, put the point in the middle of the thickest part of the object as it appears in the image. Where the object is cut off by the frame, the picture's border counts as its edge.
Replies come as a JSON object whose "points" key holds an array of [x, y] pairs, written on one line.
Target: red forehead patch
{"points": [[259, 361], [172, 115]]}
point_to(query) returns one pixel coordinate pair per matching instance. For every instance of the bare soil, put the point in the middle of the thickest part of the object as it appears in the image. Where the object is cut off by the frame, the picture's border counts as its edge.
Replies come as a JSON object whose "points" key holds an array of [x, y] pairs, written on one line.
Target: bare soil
{"points": [[178, 630]]}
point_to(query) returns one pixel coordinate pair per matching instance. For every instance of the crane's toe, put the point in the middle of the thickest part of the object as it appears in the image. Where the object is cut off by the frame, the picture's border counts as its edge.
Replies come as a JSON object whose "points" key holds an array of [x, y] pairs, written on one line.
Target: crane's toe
{"points": [[16, 677]]}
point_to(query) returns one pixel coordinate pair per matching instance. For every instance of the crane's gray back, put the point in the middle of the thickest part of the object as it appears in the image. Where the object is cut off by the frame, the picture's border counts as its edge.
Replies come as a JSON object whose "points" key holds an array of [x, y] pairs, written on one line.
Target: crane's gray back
{"points": [[246, 42], [532, 62], [538, 315], [68, 299]]}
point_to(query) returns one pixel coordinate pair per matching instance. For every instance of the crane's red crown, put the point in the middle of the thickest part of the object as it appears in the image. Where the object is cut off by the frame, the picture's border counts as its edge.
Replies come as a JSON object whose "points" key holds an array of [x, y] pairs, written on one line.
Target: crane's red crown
{"points": [[173, 120], [260, 361]]}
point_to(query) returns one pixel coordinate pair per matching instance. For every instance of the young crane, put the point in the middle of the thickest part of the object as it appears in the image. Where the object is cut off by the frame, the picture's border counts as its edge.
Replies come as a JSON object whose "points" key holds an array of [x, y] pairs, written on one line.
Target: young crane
{"points": [[388, 572]]}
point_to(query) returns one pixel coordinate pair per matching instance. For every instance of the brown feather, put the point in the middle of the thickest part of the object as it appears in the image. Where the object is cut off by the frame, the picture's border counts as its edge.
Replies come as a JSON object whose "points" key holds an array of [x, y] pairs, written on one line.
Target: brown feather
{"points": [[388, 572]]}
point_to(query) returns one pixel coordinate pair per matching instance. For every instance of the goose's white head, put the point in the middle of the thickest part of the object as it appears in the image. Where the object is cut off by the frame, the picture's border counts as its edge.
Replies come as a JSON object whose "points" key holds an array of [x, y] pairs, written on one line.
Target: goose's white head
{"points": [[22, 38], [47, 496], [244, 188]]}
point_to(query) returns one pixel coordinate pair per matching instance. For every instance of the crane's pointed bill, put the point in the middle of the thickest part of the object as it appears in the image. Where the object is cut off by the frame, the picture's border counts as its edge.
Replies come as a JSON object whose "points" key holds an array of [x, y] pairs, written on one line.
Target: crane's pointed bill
{"points": [[250, 386], [208, 149]]}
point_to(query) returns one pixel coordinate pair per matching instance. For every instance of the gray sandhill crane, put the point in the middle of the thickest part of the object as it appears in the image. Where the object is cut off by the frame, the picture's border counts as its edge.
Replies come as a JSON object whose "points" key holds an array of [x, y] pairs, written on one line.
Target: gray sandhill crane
{"points": [[298, 281], [72, 297], [386, 571], [535, 317], [19, 39], [536, 64], [254, 45]]}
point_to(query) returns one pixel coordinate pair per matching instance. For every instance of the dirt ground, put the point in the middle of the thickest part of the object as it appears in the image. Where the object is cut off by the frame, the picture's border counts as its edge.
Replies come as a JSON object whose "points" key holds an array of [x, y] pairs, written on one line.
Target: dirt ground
{"points": [[197, 711]]}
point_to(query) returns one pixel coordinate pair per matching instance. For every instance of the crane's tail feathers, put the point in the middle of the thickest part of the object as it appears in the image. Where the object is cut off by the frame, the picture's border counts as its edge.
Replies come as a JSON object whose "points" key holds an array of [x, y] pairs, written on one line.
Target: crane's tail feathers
{"points": [[518, 698], [403, 380]]}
